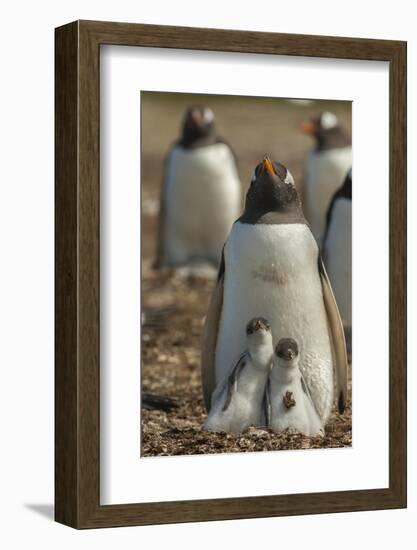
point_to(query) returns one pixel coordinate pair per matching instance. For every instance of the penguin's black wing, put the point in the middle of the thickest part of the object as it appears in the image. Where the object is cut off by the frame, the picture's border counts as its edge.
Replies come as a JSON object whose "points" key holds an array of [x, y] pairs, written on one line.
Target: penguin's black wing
{"points": [[231, 381], [159, 260], [266, 403], [337, 336], [209, 339]]}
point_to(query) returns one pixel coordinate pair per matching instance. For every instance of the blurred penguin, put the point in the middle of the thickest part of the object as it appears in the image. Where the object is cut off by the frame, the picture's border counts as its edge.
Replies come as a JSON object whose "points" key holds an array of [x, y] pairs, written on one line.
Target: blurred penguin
{"points": [[325, 168], [201, 195], [337, 251]]}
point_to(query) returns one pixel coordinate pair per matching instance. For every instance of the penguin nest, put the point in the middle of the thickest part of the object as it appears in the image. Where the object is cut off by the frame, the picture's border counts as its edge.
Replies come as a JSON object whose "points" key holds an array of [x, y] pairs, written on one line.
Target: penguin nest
{"points": [[173, 311]]}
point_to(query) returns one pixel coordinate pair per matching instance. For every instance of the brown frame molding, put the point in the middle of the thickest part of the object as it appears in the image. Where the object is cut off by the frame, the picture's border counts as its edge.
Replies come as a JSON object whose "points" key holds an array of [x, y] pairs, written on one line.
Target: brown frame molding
{"points": [[77, 274]]}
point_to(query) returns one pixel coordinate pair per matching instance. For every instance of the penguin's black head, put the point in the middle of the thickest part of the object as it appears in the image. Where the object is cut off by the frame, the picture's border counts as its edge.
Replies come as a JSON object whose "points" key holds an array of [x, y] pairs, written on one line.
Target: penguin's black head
{"points": [[287, 349], [198, 123], [272, 189], [324, 123], [326, 130], [256, 324]]}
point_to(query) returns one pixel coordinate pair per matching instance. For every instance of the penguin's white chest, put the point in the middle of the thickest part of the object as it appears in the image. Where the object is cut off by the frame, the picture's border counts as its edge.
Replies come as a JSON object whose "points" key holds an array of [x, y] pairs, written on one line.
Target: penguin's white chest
{"points": [[203, 198], [291, 408], [246, 402], [271, 272], [338, 256], [324, 174]]}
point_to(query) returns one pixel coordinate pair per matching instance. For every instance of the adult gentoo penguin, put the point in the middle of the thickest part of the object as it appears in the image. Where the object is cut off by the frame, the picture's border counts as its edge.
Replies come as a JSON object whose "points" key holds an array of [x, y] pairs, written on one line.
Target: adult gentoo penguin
{"points": [[289, 403], [238, 400], [200, 175], [271, 267], [337, 249], [325, 169]]}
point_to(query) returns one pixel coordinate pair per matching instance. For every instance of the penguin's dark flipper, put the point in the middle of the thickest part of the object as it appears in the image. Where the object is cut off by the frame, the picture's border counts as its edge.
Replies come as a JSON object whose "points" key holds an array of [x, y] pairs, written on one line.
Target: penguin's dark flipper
{"points": [[337, 336], [209, 338], [266, 404], [232, 380]]}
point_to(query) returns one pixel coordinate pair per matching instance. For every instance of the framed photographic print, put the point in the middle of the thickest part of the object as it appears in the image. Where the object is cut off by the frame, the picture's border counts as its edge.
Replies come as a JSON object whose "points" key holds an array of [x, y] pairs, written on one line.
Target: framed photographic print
{"points": [[230, 274]]}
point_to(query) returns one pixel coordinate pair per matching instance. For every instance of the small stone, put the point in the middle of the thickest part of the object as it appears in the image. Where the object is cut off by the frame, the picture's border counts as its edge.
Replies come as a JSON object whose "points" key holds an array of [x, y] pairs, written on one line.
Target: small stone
{"points": [[305, 443], [252, 431]]}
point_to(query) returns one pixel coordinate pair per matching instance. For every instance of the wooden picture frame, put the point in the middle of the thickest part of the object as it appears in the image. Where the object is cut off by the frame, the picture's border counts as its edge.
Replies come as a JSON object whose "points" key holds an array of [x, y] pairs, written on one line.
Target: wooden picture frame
{"points": [[77, 374]]}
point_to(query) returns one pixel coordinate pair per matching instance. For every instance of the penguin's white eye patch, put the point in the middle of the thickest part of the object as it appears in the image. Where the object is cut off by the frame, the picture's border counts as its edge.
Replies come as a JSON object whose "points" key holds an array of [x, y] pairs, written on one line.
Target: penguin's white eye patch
{"points": [[328, 120], [289, 180], [208, 115], [253, 177]]}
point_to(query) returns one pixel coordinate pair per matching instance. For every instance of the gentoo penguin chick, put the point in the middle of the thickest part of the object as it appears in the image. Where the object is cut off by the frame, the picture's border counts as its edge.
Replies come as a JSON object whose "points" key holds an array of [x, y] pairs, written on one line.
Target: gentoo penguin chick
{"points": [[337, 251], [201, 195], [238, 401], [289, 404], [325, 169], [272, 267]]}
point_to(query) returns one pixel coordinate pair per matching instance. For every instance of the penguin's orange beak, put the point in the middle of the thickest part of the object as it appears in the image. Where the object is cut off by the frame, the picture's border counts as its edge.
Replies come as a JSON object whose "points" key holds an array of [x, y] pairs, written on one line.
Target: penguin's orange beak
{"points": [[268, 166], [308, 128]]}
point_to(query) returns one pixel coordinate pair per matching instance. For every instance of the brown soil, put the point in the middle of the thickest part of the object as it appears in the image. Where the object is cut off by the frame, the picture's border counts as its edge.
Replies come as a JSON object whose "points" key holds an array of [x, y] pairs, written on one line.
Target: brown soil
{"points": [[174, 306]]}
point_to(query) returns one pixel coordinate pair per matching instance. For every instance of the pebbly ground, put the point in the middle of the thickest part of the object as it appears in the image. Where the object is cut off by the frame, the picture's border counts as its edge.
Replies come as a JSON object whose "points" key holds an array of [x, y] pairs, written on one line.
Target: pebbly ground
{"points": [[173, 315], [173, 306]]}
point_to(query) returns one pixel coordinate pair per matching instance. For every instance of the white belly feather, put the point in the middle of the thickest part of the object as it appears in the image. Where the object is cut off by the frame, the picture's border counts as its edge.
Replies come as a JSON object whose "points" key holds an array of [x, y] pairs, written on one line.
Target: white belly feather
{"points": [[271, 272], [324, 173], [245, 408], [302, 417], [203, 199], [338, 256]]}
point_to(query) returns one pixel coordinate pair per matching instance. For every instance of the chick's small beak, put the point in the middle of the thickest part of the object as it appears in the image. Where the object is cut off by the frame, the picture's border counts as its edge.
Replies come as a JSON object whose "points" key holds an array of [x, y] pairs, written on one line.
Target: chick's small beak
{"points": [[308, 127], [268, 166], [257, 325]]}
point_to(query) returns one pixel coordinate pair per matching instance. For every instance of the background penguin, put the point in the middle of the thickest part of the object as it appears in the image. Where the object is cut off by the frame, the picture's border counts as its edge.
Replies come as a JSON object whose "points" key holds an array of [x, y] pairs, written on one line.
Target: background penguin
{"points": [[289, 403], [271, 267], [238, 400], [201, 195], [325, 169], [337, 251]]}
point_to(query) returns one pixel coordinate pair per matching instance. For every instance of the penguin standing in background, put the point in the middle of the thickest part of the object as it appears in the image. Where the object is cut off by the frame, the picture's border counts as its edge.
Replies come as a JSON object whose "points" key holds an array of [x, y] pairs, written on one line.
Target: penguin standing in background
{"points": [[337, 251], [289, 404], [271, 267], [238, 400], [325, 169], [201, 195]]}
